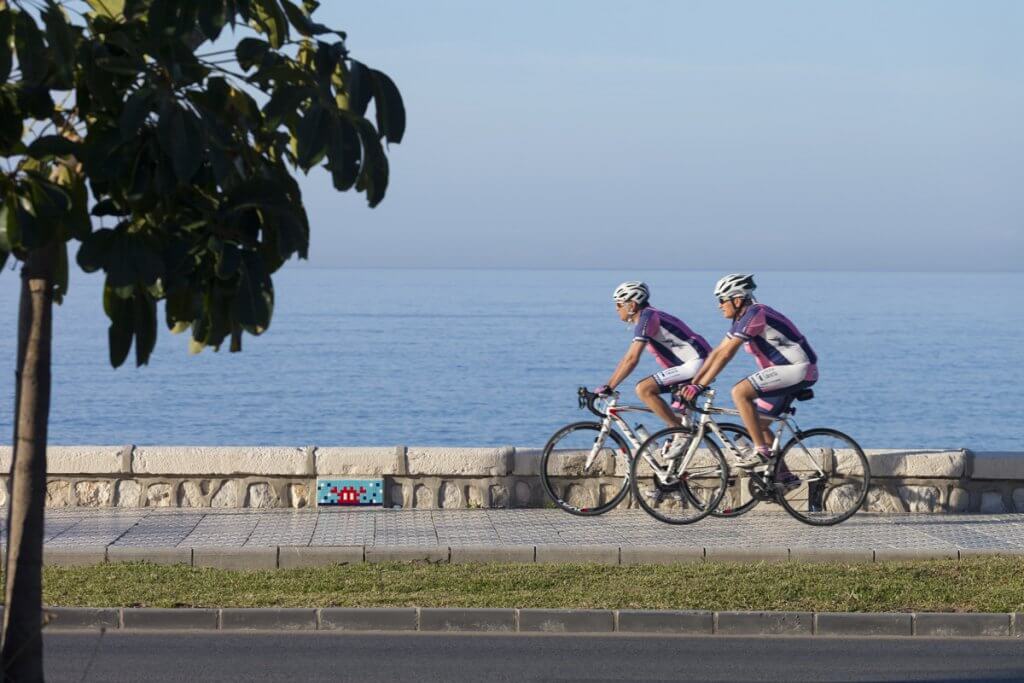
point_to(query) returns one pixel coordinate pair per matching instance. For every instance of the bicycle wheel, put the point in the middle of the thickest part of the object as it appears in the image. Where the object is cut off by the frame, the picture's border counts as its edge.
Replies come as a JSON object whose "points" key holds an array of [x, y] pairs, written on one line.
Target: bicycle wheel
{"points": [[573, 485], [832, 477], [737, 499], [672, 487]]}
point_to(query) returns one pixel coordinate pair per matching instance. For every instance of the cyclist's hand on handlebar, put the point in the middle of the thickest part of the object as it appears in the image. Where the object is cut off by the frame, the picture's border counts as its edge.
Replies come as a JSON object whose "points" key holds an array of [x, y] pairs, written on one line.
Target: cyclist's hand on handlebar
{"points": [[692, 391], [604, 390]]}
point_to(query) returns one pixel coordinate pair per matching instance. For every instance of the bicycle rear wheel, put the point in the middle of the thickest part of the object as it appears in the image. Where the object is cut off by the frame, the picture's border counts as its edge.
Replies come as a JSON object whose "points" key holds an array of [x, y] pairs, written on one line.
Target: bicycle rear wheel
{"points": [[831, 477], [574, 486], [737, 499], [673, 489]]}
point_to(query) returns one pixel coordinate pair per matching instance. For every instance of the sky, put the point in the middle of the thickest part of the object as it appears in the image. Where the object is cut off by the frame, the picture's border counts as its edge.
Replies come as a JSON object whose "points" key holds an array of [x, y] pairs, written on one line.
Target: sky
{"points": [[690, 135]]}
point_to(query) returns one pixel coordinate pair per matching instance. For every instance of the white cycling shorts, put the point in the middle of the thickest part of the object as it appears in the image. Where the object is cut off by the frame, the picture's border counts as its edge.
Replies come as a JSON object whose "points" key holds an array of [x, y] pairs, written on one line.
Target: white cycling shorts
{"points": [[678, 374], [777, 378]]}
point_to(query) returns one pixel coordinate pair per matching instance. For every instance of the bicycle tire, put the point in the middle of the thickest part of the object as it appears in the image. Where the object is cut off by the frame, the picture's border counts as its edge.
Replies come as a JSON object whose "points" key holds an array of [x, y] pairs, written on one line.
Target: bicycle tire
{"points": [[840, 495], [560, 480], [687, 497], [738, 480]]}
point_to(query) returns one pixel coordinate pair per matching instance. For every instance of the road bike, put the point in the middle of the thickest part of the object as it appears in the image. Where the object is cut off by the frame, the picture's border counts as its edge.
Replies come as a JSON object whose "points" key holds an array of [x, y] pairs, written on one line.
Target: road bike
{"points": [[585, 466], [820, 476]]}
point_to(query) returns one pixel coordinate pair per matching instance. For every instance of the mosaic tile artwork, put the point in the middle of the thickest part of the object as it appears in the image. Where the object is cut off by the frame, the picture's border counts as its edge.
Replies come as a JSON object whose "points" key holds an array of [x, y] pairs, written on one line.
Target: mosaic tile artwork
{"points": [[354, 492]]}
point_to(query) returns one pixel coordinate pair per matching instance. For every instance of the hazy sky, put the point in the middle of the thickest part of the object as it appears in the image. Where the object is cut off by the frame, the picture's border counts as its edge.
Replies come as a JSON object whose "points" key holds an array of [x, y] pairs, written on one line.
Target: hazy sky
{"points": [[679, 134]]}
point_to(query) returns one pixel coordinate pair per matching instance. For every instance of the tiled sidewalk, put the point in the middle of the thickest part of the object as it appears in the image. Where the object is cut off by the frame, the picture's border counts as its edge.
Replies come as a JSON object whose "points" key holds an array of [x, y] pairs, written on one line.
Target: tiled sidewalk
{"points": [[498, 528]]}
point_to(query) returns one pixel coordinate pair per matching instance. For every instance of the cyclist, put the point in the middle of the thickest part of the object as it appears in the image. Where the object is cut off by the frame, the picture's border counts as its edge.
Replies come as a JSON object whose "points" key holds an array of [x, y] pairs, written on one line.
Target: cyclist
{"points": [[788, 363], [677, 348]]}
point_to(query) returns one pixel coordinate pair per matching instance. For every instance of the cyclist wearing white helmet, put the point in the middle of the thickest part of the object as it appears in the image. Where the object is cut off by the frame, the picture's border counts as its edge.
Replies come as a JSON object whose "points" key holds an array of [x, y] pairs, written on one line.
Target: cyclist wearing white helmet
{"points": [[675, 347], [788, 363]]}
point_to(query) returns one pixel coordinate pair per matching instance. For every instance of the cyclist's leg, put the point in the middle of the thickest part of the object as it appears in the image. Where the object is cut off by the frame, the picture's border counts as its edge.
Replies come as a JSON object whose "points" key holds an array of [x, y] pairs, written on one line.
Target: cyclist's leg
{"points": [[766, 393], [650, 389]]}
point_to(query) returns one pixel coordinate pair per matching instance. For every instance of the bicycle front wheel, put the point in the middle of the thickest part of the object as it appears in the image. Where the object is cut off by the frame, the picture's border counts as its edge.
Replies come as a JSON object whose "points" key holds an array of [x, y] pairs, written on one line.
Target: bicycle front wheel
{"points": [[828, 477], [574, 485], [677, 484]]}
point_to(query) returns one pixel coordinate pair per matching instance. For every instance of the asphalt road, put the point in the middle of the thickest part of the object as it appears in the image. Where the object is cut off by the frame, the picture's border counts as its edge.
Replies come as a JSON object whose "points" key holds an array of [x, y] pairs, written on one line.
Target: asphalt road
{"points": [[290, 657]]}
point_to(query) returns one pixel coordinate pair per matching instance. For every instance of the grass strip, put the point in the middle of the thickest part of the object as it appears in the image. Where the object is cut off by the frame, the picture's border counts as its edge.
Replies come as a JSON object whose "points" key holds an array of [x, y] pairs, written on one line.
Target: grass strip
{"points": [[972, 585]]}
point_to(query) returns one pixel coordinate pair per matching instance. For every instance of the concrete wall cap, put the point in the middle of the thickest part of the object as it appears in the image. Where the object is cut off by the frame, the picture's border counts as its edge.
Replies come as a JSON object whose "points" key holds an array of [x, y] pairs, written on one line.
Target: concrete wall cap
{"points": [[924, 463], [486, 462], [359, 460], [998, 465], [73, 459], [220, 460]]}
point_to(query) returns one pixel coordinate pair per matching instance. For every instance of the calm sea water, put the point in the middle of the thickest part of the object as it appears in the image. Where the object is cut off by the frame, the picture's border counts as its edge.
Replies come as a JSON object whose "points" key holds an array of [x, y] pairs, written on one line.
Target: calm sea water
{"points": [[472, 357]]}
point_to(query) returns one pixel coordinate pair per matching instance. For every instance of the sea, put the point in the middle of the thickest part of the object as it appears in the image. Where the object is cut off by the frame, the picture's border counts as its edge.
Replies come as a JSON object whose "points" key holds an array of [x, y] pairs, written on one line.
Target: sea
{"points": [[494, 357]]}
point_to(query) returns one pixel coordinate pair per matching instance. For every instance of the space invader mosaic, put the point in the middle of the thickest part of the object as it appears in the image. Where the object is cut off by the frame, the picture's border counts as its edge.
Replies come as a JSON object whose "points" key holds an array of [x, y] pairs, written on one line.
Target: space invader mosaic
{"points": [[355, 492]]}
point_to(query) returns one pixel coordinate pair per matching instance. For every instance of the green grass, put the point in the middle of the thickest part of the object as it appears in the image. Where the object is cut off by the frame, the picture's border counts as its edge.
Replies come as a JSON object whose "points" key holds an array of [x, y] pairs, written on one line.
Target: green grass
{"points": [[983, 584]]}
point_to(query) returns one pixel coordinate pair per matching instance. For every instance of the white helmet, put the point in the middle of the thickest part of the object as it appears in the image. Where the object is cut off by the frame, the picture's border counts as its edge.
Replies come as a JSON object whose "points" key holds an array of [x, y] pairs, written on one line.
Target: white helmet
{"points": [[634, 290], [735, 285]]}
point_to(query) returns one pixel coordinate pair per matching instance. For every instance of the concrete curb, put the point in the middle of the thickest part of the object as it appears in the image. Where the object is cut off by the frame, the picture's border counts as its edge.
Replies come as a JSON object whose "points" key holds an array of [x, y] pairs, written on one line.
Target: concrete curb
{"points": [[290, 557], [509, 620]]}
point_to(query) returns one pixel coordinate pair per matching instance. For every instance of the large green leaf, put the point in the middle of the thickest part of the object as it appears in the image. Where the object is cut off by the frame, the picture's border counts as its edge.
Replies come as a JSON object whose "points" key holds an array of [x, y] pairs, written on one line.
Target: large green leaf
{"points": [[311, 137], [344, 154], [254, 298], [112, 9], [96, 250], [389, 106], [358, 86], [286, 100], [52, 145], [181, 140], [271, 20], [7, 217], [62, 47], [33, 57], [6, 32], [120, 311], [213, 16], [11, 127], [373, 175], [144, 317], [137, 108], [250, 52]]}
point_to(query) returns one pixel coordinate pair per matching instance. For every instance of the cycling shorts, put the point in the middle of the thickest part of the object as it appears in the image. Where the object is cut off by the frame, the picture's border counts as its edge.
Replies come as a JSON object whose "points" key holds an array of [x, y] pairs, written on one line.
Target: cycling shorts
{"points": [[775, 385], [669, 379]]}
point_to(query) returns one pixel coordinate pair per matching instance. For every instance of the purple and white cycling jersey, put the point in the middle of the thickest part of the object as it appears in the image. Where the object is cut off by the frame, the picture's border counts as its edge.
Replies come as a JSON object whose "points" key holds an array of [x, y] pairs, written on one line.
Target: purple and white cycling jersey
{"points": [[668, 338], [774, 340]]}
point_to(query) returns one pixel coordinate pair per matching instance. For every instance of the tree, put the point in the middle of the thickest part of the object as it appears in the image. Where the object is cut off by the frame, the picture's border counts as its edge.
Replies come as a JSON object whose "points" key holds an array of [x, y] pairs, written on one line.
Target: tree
{"points": [[128, 111]]}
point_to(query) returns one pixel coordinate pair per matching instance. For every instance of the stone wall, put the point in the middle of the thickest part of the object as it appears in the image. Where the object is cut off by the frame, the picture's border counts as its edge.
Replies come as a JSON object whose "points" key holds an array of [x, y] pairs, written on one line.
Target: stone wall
{"points": [[903, 480]]}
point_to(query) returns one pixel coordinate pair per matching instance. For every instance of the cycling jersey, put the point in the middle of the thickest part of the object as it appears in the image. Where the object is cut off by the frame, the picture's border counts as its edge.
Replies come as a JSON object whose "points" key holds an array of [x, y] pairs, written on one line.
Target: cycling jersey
{"points": [[668, 338], [773, 339]]}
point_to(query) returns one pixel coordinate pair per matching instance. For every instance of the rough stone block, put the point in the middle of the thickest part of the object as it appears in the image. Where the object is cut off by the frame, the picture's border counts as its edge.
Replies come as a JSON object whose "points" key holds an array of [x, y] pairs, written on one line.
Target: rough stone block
{"points": [[998, 465], [736, 554], [159, 495], [920, 463], [666, 621], [368, 619], [118, 553], [441, 461], [128, 494], [58, 494], [458, 619], [567, 620], [992, 503], [526, 462], [565, 554], [450, 495], [292, 557], [244, 558], [920, 498], [424, 553], [261, 495], [362, 461], [226, 495], [267, 619], [863, 624], [669, 554], [221, 461], [880, 500], [84, 618], [959, 500], [837, 555], [492, 553], [74, 557], [174, 619], [764, 623], [914, 554], [962, 625]]}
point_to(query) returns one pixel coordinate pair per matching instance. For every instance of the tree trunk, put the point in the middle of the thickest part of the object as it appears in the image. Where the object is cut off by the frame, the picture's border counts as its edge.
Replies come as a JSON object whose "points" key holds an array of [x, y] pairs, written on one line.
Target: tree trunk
{"points": [[22, 654]]}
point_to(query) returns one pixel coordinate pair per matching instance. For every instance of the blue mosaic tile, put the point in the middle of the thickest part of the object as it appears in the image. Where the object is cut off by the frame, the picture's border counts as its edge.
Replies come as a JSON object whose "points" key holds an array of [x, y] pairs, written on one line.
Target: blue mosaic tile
{"points": [[350, 492]]}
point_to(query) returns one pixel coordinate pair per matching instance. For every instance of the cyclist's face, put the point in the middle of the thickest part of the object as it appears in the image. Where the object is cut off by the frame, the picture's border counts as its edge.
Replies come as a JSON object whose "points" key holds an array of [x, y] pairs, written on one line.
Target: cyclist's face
{"points": [[625, 310], [730, 306]]}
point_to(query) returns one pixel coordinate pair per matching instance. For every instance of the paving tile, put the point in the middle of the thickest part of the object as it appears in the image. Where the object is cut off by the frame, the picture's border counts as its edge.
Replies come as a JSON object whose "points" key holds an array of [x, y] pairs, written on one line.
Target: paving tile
{"points": [[343, 527]]}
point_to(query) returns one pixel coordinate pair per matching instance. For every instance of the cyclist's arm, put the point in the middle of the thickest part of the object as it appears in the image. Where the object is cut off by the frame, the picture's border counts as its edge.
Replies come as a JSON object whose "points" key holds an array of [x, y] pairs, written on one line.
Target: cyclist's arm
{"points": [[628, 363], [717, 360]]}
